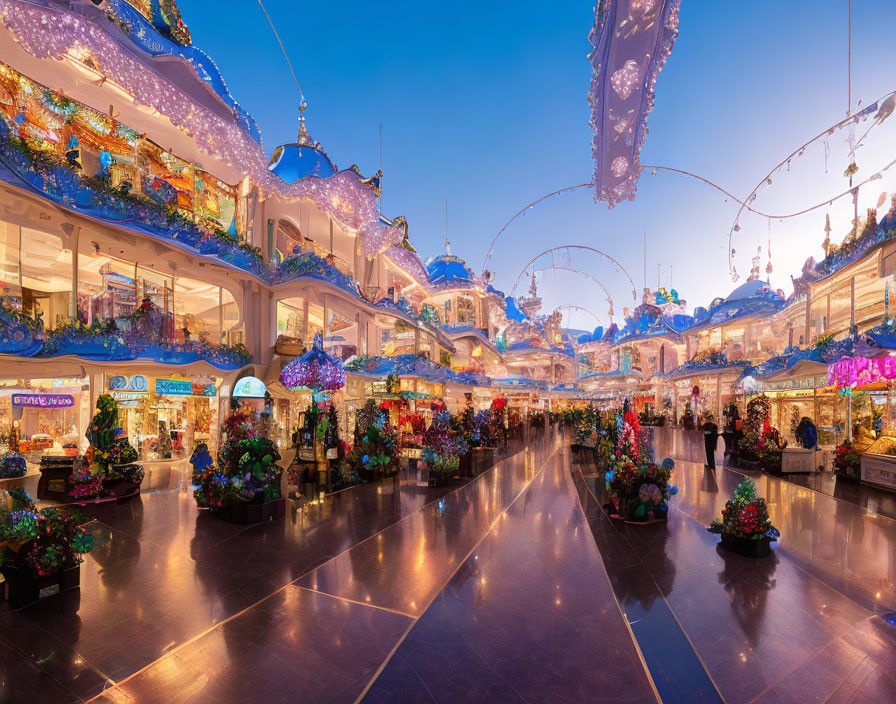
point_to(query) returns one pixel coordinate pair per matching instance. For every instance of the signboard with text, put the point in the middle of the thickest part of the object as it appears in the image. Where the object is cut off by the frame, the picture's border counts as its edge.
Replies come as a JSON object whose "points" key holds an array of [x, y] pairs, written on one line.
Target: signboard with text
{"points": [[43, 400]]}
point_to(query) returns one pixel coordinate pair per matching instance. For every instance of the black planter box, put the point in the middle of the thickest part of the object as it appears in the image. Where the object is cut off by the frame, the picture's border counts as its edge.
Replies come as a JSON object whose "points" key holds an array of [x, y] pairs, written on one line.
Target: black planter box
{"points": [[466, 464], [248, 513], [22, 589], [747, 547], [120, 488], [437, 479], [53, 483]]}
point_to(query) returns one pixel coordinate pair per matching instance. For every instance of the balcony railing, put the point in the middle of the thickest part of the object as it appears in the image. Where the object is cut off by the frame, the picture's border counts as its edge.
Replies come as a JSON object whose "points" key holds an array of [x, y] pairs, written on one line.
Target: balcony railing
{"points": [[148, 333]]}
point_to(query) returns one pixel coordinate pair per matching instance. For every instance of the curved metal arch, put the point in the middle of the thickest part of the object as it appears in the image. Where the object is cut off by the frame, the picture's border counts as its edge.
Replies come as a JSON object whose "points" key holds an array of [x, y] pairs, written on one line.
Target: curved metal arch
{"points": [[491, 247], [587, 248], [577, 271], [565, 268], [522, 211], [581, 308], [796, 152]]}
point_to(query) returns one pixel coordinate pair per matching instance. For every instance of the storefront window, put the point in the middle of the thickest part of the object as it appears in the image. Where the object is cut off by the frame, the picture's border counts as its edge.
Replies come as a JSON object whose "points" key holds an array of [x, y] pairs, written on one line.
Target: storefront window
{"points": [[315, 320], [291, 317], [165, 418], [466, 312], [342, 335], [50, 416], [35, 273]]}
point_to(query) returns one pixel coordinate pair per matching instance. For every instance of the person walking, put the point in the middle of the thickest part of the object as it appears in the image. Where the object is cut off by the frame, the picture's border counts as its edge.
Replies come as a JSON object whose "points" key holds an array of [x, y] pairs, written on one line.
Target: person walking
{"points": [[710, 440]]}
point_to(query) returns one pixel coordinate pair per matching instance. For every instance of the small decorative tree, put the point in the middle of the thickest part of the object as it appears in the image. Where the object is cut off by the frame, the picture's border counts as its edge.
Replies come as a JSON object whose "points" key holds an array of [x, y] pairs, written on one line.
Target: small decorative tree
{"points": [[246, 471], [444, 447], [375, 453], [108, 466], [745, 526]]}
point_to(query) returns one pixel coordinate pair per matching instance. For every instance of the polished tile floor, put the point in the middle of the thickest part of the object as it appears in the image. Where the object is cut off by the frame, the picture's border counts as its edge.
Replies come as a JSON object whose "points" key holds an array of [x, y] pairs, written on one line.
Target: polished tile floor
{"points": [[514, 587]]}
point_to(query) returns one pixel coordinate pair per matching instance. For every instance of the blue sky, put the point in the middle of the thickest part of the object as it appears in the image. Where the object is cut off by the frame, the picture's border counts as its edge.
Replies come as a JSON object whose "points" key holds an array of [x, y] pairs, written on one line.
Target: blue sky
{"points": [[484, 103]]}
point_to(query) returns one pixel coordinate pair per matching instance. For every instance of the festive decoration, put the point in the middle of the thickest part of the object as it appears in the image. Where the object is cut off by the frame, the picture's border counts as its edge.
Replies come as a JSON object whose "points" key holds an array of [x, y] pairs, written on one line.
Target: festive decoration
{"points": [[12, 465], [745, 518], [761, 443], [246, 471], [631, 43], [108, 466], [859, 371], [39, 542], [375, 453], [638, 489], [444, 446], [315, 370]]}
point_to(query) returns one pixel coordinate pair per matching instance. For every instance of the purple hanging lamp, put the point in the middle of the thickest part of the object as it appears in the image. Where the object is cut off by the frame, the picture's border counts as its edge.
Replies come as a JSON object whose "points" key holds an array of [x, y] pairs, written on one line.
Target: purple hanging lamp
{"points": [[315, 370]]}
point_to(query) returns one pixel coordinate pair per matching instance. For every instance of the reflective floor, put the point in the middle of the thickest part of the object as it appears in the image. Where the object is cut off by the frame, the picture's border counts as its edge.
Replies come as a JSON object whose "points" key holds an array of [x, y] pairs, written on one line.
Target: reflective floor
{"points": [[514, 587], [804, 625]]}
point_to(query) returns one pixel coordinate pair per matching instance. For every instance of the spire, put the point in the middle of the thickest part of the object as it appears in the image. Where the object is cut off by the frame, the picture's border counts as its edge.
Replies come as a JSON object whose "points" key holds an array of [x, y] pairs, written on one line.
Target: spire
{"points": [[304, 138], [447, 241], [533, 289], [827, 235]]}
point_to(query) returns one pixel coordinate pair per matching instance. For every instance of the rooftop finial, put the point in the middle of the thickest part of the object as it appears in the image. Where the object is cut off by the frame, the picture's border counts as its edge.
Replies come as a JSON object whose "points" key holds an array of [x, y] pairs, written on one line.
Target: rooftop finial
{"points": [[447, 241], [303, 138]]}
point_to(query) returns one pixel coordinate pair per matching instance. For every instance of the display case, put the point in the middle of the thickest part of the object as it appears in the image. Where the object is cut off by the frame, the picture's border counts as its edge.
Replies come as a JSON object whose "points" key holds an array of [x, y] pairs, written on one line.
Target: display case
{"points": [[879, 461]]}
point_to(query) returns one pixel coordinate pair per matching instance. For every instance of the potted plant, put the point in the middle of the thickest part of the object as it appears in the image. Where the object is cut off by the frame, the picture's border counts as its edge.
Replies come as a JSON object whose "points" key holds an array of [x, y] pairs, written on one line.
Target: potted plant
{"points": [[444, 448], [375, 454], [40, 550], [745, 526], [848, 462], [243, 486], [638, 489], [108, 468]]}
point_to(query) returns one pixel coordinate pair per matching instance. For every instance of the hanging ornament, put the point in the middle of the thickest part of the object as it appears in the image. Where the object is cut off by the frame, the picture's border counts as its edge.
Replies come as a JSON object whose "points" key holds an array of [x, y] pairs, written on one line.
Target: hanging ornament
{"points": [[314, 370]]}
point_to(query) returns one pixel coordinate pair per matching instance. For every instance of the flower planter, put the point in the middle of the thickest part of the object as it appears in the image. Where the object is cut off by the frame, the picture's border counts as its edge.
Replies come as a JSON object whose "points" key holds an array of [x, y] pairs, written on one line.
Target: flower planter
{"points": [[23, 589], [53, 483], [437, 479], [466, 464], [119, 488], [747, 547], [247, 513]]}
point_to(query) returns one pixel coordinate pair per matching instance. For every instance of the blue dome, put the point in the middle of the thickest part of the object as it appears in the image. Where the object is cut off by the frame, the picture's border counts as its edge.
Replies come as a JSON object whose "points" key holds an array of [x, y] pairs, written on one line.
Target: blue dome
{"points": [[448, 269], [292, 162]]}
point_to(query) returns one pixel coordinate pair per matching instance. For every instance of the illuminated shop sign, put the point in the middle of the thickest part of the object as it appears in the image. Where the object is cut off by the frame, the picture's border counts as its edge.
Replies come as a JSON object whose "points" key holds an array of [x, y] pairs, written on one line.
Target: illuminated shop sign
{"points": [[43, 400], [137, 382], [127, 395], [183, 387], [249, 387], [174, 387]]}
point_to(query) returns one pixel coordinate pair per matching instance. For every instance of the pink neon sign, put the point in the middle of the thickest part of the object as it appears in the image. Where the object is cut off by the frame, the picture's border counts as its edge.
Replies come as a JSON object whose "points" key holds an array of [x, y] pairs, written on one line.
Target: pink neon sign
{"points": [[859, 371]]}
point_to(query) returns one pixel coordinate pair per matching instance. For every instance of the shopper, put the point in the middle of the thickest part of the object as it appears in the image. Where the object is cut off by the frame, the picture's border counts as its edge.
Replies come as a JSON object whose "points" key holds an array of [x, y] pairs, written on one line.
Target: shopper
{"points": [[710, 439]]}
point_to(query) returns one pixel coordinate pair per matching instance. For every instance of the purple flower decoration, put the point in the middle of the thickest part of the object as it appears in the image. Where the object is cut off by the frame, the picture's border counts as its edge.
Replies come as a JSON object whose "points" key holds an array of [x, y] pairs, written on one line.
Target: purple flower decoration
{"points": [[315, 370]]}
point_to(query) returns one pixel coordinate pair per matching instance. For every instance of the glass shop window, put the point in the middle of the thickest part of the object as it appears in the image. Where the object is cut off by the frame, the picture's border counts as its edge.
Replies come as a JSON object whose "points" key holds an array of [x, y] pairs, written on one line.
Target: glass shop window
{"points": [[48, 415], [203, 311], [109, 288], [466, 311], [35, 273], [869, 293], [315, 320], [167, 426], [342, 335], [291, 317]]}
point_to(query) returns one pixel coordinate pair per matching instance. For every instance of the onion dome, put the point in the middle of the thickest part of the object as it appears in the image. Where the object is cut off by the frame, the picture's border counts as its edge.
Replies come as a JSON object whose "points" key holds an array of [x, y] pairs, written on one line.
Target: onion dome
{"points": [[449, 269], [752, 289], [292, 162]]}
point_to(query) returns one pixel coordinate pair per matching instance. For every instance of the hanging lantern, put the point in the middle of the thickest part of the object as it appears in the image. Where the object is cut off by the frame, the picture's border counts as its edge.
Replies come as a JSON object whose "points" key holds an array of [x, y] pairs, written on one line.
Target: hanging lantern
{"points": [[314, 370]]}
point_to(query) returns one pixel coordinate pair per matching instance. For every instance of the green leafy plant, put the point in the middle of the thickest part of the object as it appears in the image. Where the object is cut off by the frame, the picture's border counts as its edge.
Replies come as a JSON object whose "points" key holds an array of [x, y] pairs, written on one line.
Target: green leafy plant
{"points": [[40, 542]]}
